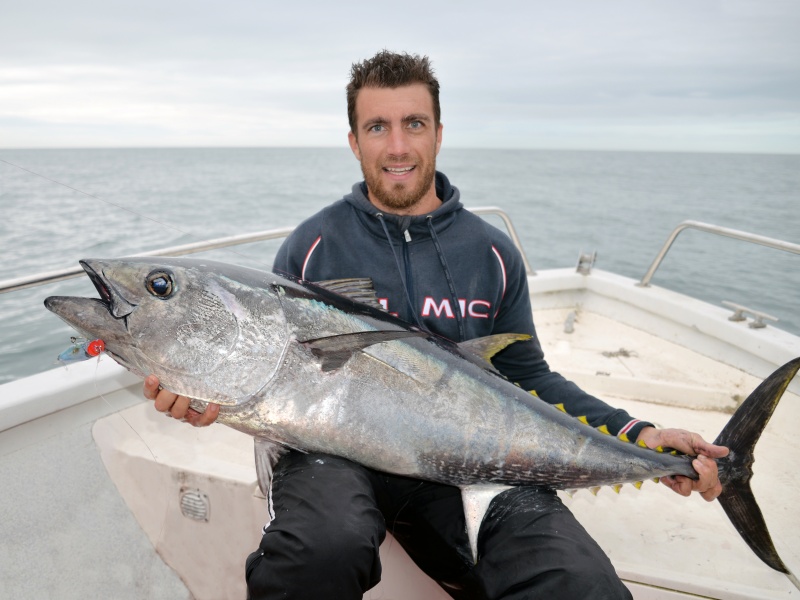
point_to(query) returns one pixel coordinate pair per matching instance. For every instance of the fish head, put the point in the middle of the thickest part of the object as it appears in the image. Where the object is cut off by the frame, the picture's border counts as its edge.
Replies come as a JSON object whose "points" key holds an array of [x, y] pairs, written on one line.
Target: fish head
{"points": [[207, 330]]}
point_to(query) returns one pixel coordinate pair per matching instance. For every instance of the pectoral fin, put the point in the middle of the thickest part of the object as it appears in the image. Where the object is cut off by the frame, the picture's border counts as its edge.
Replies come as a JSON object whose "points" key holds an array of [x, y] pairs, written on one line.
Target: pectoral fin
{"points": [[336, 350], [476, 499]]}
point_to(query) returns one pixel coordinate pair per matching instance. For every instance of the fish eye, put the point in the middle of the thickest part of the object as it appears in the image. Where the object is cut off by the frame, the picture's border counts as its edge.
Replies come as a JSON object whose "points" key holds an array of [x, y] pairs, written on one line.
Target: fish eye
{"points": [[160, 284]]}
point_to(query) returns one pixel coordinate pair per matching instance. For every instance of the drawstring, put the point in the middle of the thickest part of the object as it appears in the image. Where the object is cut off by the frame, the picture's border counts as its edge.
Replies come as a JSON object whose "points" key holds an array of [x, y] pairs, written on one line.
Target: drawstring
{"points": [[453, 296], [399, 270]]}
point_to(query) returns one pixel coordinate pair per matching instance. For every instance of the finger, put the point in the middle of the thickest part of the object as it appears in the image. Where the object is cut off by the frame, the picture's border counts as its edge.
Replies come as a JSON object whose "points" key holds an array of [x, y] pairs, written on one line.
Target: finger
{"points": [[676, 439], [165, 400], [150, 387], [711, 495], [678, 484], [701, 446], [690, 443], [207, 417], [708, 482], [711, 450], [682, 441], [179, 407], [192, 416]]}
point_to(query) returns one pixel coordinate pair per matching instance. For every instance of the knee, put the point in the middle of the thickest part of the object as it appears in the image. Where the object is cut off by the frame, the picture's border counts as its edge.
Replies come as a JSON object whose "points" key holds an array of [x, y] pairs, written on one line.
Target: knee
{"points": [[326, 542], [327, 530], [328, 518], [331, 561], [534, 547]]}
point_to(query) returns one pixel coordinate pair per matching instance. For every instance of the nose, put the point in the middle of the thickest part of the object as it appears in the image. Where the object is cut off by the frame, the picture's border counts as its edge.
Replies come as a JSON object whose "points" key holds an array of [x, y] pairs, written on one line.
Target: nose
{"points": [[398, 142]]}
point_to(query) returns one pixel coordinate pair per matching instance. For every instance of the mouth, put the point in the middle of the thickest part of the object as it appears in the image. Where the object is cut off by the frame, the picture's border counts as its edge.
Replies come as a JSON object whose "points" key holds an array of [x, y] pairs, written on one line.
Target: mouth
{"points": [[104, 318], [105, 294], [399, 171], [115, 303]]}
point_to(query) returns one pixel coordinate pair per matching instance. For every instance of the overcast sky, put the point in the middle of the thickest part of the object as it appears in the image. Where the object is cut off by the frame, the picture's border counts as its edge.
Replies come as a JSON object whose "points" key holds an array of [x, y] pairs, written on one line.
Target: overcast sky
{"points": [[675, 75]]}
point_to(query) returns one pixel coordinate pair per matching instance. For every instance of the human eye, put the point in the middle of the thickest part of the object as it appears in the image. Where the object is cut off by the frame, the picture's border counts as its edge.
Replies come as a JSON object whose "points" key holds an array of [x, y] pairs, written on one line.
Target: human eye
{"points": [[415, 124], [377, 128]]}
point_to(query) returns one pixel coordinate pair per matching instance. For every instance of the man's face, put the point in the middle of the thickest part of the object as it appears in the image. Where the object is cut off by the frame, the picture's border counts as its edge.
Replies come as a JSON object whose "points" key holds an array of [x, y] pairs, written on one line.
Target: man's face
{"points": [[396, 142]]}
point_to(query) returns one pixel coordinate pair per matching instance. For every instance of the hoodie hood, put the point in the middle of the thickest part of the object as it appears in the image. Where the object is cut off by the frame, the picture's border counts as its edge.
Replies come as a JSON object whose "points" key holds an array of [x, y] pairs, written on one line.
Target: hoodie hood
{"points": [[416, 225]]}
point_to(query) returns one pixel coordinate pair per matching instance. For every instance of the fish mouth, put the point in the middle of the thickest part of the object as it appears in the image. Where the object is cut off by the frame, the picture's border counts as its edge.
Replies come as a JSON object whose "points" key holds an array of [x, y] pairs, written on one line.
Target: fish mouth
{"points": [[99, 284], [104, 318], [117, 305]]}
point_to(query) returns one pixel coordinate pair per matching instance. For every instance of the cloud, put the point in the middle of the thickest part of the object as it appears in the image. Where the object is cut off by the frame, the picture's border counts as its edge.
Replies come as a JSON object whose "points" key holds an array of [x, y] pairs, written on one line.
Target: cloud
{"points": [[516, 74]]}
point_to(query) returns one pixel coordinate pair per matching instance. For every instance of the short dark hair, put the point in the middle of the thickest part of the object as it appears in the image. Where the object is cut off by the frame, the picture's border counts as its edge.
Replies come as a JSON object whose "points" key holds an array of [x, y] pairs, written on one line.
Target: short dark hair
{"points": [[390, 70]]}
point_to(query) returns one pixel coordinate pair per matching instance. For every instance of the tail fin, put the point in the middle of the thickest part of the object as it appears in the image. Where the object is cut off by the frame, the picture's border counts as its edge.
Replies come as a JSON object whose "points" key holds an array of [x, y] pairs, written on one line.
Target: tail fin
{"points": [[740, 435]]}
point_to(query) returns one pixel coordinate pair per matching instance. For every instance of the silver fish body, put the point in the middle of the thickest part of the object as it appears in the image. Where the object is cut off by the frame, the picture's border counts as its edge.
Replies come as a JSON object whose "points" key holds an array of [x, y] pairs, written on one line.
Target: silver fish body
{"points": [[410, 406], [297, 365]]}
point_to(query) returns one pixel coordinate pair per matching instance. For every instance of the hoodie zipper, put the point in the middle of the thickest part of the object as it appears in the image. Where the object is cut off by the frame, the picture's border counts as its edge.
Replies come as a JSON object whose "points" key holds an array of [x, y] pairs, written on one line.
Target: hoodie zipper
{"points": [[409, 277], [405, 273], [449, 277]]}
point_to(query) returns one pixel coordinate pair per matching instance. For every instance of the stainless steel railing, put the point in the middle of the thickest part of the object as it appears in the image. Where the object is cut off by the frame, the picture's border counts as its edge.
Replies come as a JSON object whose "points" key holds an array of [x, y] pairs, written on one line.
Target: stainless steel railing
{"points": [[715, 229], [20, 283]]}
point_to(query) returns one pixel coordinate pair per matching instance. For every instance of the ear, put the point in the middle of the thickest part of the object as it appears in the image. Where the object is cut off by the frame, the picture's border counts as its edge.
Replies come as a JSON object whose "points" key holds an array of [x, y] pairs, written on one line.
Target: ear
{"points": [[439, 138], [351, 138]]}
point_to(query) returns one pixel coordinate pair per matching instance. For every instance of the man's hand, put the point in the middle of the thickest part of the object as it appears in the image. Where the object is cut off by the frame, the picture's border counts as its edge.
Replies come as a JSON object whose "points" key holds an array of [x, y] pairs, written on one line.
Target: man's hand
{"points": [[178, 406], [692, 444]]}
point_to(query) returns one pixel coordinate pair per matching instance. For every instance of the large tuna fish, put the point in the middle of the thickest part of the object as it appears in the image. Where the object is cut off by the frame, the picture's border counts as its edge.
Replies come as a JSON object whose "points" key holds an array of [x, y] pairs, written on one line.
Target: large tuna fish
{"points": [[320, 368]]}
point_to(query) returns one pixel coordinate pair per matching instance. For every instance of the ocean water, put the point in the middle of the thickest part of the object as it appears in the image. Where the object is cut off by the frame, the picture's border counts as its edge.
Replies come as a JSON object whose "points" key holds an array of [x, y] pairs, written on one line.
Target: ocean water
{"points": [[62, 205]]}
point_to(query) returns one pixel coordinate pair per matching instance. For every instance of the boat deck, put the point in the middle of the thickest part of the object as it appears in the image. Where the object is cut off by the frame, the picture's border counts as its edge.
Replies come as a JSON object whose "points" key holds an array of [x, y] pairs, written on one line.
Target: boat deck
{"points": [[652, 535], [67, 529]]}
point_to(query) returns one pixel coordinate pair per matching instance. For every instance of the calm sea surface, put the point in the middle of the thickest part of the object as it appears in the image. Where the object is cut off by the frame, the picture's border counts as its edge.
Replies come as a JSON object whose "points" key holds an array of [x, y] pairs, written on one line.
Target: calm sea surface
{"points": [[622, 205]]}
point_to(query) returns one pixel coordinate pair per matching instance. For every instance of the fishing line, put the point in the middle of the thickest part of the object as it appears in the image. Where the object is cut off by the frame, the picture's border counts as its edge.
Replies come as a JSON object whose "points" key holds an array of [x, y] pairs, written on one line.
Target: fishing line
{"points": [[118, 411], [164, 484], [132, 211]]}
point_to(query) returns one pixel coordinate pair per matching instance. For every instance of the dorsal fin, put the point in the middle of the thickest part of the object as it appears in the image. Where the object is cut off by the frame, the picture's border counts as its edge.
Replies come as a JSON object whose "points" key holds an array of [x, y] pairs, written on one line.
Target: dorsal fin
{"points": [[358, 289]]}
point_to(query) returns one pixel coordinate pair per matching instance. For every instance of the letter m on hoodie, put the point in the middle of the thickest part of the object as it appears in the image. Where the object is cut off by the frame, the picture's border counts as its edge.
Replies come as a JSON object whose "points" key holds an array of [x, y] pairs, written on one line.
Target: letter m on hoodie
{"points": [[443, 308]]}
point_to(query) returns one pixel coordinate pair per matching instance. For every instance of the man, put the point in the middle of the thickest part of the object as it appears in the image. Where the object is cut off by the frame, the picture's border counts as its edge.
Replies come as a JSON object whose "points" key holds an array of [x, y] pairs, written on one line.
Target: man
{"points": [[435, 264]]}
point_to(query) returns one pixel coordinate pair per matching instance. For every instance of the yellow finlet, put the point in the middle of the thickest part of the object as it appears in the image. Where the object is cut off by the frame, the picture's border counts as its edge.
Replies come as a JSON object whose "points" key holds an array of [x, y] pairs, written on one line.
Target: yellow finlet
{"points": [[638, 484], [656, 479], [583, 419], [603, 429], [617, 487], [594, 490], [641, 443], [624, 437], [560, 407], [659, 448], [533, 393]]}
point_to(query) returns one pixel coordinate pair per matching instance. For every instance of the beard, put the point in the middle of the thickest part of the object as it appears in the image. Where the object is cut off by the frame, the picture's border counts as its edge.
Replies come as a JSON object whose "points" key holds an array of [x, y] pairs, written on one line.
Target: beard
{"points": [[399, 196]]}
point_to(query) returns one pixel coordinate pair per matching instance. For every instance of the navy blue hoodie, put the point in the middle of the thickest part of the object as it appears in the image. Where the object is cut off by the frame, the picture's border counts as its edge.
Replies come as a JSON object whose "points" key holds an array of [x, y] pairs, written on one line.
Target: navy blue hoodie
{"points": [[449, 272]]}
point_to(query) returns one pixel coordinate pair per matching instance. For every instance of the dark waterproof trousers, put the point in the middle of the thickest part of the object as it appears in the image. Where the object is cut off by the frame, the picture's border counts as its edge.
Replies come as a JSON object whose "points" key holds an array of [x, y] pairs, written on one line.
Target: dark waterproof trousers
{"points": [[331, 516]]}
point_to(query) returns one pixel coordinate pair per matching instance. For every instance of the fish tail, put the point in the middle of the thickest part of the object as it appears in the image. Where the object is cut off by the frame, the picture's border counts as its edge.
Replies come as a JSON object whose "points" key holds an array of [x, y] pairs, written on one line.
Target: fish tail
{"points": [[740, 435]]}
